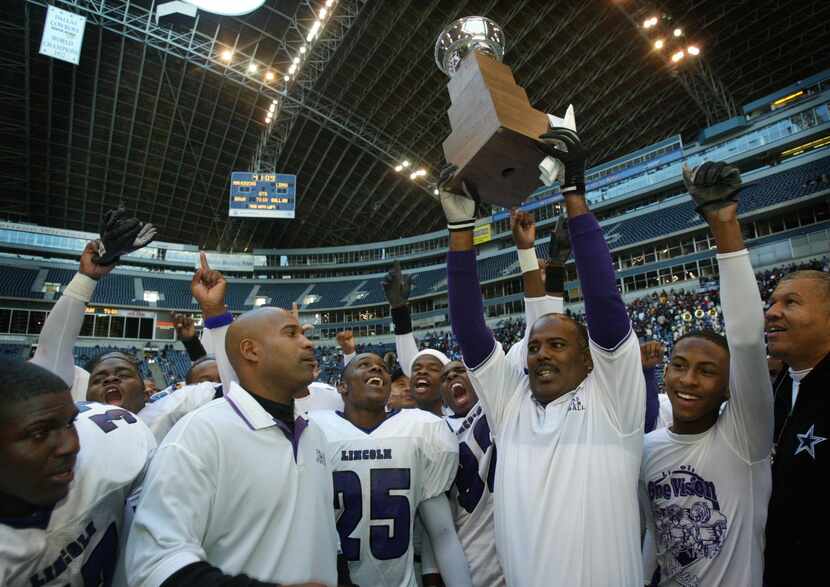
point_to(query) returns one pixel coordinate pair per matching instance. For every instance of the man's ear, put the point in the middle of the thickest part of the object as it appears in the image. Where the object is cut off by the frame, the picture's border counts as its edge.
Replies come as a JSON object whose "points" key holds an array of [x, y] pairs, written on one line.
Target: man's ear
{"points": [[588, 359], [250, 350]]}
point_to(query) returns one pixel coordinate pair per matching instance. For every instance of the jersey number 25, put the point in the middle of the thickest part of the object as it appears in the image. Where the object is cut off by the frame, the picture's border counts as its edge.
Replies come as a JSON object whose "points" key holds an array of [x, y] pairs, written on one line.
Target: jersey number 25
{"points": [[383, 543]]}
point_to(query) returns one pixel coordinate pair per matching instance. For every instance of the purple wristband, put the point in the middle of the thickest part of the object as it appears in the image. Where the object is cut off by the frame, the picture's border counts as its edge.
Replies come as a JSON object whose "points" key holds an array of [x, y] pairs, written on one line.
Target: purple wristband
{"points": [[219, 321]]}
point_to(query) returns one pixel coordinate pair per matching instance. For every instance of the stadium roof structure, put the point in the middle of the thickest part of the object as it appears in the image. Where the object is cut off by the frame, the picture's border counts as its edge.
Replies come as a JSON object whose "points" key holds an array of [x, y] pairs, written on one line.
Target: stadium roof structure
{"points": [[156, 118]]}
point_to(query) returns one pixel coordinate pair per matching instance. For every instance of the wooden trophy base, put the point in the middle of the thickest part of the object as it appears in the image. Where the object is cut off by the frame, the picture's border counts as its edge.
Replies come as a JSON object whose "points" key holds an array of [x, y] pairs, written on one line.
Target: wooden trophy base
{"points": [[494, 132]]}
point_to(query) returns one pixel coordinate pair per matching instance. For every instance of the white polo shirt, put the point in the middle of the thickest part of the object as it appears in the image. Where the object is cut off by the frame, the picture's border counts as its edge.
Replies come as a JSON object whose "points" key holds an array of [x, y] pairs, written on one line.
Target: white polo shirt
{"points": [[232, 487], [321, 396], [165, 408], [566, 476]]}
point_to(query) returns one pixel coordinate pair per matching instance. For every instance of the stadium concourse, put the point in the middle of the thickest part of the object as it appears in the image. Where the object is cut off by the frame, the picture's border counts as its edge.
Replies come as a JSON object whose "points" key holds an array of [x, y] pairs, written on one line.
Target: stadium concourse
{"points": [[241, 282]]}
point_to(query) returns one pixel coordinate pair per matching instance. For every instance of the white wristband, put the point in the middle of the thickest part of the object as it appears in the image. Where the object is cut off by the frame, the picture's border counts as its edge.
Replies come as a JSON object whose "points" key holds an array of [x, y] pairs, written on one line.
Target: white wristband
{"points": [[81, 288], [527, 259]]}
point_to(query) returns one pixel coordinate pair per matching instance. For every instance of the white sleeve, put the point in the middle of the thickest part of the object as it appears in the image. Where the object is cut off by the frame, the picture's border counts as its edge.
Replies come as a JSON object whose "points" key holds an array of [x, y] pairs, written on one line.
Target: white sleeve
{"points": [[534, 309], [172, 514], [619, 384], [439, 448], [406, 348], [649, 553], [347, 357], [496, 382], [748, 419], [449, 554], [226, 372], [428, 564], [161, 415], [207, 341], [62, 327]]}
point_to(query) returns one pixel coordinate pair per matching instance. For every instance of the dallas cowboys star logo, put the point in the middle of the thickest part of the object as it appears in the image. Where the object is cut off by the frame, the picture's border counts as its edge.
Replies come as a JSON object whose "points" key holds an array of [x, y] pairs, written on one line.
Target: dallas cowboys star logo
{"points": [[807, 442]]}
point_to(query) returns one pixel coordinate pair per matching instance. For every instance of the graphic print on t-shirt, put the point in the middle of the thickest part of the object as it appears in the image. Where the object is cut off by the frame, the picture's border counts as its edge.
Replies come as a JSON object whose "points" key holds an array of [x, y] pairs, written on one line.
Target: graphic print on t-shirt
{"points": [[689, 524]]}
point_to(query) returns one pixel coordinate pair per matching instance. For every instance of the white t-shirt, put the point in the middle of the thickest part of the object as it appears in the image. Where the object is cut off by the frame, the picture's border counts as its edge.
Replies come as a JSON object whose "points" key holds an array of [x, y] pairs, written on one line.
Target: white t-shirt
{"points": [[78, 541], [230, 486], [169, 405], [321, 396], [380, 478], [705, 495], [664, 415], [471, 496], [566, 478]]}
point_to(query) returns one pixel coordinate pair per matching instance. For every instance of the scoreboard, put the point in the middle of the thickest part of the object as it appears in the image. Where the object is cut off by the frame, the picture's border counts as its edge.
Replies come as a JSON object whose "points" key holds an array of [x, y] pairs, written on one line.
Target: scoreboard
{"points": [[262, 195]]}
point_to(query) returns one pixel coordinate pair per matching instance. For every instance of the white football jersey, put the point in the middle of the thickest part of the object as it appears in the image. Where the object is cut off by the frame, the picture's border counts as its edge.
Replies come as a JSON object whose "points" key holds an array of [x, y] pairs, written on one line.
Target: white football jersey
{"points": [[380, 478], [77, 542], [566, 504], [321, 396], [471, 496], [170, 405]]}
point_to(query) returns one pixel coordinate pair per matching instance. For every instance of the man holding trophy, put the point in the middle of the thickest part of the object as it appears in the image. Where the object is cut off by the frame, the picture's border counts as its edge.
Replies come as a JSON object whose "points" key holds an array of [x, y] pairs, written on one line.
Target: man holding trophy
{"points": [[569, 427]]}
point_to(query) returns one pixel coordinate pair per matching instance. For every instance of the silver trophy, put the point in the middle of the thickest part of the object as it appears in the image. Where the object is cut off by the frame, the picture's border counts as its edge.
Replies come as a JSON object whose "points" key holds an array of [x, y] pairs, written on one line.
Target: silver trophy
{"points": [[465, 35]]}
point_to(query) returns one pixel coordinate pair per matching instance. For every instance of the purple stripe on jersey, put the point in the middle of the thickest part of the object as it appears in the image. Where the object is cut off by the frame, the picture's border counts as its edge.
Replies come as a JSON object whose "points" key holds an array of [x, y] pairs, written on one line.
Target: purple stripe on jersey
{"points": [[652, 402], [239, 412], [467, 309], [608, 322], [300, 424]]}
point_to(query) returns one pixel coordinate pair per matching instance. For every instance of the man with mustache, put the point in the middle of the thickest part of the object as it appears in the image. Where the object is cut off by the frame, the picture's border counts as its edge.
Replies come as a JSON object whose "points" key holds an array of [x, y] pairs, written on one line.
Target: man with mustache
{"points": [[388, 467], [705, 480], [66, 471], [569, 431], [798, 333]]}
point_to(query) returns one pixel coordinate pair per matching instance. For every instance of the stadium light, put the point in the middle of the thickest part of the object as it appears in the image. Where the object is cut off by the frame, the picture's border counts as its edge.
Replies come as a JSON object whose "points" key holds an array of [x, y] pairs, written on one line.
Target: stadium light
{"points": [[296, 61], [272, 107], [659, 43], [693, 50], [413, 175], [421, 172], [252, 67], [676, 57], [329, 3], [323, 13], [650, 22], [398, 168], [435, 191], [678, 32], [269, 75], [227, 55], [315, 28], [286, 78], [405, 163], [303, 50]]}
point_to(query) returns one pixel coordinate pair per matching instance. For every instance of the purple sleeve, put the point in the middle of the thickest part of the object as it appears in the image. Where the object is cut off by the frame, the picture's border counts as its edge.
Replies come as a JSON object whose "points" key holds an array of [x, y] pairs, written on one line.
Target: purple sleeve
{"points": [[608, 322], [467, 309], [652, 403]]}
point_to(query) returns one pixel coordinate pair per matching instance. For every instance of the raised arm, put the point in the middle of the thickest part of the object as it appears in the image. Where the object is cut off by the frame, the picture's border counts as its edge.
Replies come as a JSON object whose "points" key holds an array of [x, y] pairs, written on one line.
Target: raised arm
{"points": [[396, 288], [714, 186], [63, 326], [208, 288], [464, 288], [186, 333], [651, 356], [608, 322], [346, 342]]}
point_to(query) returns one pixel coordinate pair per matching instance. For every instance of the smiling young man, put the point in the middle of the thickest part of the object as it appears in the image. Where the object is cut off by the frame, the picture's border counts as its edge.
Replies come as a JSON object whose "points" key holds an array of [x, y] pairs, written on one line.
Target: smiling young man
{"points": [[66, 471], [569, 431], [388, 467], [798, 333], [705, 481]]}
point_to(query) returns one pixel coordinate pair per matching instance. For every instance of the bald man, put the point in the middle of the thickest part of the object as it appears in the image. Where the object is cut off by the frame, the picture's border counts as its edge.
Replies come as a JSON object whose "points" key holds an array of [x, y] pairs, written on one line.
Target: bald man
{"points": [[239, 493]]}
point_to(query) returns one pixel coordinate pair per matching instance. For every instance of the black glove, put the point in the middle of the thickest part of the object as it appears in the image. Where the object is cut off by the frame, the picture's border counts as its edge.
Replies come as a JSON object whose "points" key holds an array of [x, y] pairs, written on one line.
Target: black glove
{"points": [[121, 235], [712, 185], [559, 248], [396, 286], [572, 157]]}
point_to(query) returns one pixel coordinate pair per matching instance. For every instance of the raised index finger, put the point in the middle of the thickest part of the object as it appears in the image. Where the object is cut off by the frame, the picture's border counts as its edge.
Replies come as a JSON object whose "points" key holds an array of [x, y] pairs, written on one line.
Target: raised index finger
{"points": [[203, 261]]}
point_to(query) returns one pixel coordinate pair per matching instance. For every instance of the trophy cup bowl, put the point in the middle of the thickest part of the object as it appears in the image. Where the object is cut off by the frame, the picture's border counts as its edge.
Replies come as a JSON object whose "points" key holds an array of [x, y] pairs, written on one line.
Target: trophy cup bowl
{"points": [[495, 130], [465, 35]]}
